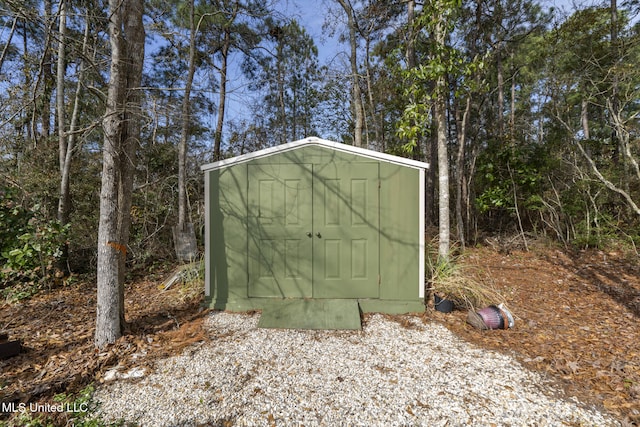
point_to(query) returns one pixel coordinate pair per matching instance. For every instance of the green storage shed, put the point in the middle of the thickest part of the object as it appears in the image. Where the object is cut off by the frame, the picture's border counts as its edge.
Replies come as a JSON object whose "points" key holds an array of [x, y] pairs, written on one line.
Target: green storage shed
{"points": [[315, 220]]}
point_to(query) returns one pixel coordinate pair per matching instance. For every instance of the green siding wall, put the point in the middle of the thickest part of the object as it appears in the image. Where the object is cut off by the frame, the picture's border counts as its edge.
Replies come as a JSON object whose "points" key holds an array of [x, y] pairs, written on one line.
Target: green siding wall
{"points": [[399, 237], [228, 234]]}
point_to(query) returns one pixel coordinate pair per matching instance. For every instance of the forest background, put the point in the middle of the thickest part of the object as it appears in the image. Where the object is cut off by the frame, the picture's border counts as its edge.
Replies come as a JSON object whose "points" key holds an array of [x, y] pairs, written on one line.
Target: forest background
{"points": [[538, 108]]}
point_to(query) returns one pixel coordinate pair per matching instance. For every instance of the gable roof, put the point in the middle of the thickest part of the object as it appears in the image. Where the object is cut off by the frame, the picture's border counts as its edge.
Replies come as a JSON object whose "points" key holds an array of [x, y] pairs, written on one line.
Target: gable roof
{"points": [[315, 141]]}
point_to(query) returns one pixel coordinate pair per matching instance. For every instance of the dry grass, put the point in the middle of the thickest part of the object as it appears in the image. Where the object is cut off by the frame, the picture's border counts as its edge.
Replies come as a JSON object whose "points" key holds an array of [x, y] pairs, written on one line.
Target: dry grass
{"points": [[188, 279], [454, 280]]}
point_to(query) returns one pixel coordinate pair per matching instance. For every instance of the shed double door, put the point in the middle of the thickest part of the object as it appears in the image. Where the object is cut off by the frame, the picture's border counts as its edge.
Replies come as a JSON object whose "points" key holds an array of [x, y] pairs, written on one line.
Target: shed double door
{"points": [[313, 230]]}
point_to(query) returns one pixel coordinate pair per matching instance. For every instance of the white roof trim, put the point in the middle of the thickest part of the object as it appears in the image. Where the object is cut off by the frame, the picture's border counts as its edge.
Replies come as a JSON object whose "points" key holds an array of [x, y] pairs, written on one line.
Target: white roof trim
{"points": [[319, 142]]}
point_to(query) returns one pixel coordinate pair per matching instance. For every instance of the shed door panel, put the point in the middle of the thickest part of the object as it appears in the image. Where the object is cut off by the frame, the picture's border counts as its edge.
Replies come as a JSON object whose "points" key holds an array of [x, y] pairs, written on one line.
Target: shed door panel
{"points": [[346, 230], [279, 220]]}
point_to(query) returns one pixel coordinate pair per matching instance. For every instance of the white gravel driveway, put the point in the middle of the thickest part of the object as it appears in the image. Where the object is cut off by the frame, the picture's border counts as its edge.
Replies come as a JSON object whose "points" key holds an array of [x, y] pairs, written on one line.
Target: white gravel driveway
{"points": [[386, 375]]}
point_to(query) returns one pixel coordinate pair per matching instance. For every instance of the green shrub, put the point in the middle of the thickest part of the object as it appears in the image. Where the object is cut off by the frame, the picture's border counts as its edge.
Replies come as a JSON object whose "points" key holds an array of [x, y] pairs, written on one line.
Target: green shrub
{"points": [[30, 245], [14, 221]]}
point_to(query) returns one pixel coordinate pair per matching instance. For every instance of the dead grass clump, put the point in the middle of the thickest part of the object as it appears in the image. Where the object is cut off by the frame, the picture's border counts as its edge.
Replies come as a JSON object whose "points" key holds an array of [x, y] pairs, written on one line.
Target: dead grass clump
{"points": [[453, 280]]}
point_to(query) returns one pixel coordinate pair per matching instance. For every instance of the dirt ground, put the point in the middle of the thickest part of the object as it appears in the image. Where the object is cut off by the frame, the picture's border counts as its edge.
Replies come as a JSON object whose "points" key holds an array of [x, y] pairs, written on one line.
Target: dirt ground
{"points": [[576, 320]]}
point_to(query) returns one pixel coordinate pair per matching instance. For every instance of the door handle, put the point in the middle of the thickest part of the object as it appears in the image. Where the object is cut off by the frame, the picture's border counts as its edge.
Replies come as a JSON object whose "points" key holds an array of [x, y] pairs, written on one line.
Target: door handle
{"points": [[309, 235], [319, 235]]}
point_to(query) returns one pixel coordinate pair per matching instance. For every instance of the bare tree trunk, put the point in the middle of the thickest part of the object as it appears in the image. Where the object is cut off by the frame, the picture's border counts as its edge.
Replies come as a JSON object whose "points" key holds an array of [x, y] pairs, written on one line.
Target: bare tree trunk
{"points": [[372, 106], [443, 176], [41, 100], [134, 48], [616, 138], [183, 236], [283, 110], [47, 74], [512, 112], [121, 135], [108, 324], [26, 71], [223, 95], [584, 118], [63, 202], [8, 43], [411, 42], [66, 139], [460, 181], [410, 57], [443, 155], [278, 34], [467, 188], [356, 99], [65, 145], [616, 57], [500, 106], [431, 156], [186, 119], [294, 118]]}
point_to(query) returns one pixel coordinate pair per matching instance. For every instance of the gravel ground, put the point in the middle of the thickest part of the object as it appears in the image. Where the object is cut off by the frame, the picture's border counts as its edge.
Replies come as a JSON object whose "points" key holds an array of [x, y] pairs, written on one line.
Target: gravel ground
{"points": [[388, 374]]}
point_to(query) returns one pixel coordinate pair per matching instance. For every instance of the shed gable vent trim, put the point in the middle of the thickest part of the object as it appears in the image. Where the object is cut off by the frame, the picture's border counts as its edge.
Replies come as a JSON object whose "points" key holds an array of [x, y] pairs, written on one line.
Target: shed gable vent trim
{"points": [[312, 140]]}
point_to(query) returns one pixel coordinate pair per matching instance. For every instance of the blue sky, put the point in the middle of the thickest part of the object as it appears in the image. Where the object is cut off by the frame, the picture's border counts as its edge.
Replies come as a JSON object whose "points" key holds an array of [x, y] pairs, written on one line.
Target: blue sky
{"points": [[312, 15]]}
